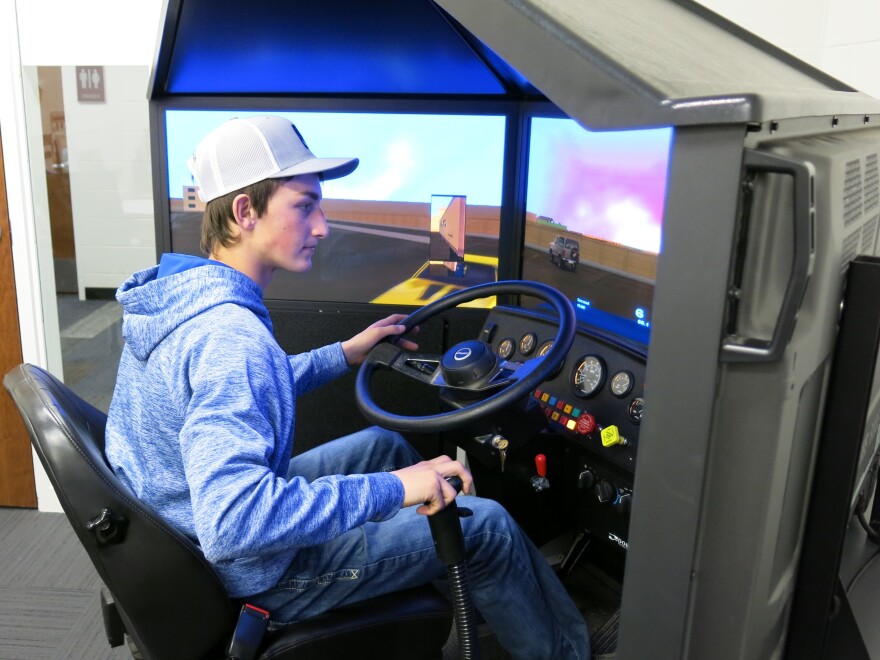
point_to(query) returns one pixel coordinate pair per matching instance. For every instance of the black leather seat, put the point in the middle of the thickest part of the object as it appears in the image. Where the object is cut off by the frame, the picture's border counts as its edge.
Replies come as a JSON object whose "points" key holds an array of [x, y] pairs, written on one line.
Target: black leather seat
{"points": [[168, 597]]}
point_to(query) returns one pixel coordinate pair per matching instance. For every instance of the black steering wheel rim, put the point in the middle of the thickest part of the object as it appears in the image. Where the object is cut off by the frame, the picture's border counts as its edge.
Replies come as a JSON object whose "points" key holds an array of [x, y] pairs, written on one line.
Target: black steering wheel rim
{"points": [[449, 420]]}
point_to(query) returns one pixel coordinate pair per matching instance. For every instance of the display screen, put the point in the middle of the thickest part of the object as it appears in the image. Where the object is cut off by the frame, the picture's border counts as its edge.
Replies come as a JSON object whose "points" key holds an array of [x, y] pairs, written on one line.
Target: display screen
{"points": [[594, 214], [379, 247]]}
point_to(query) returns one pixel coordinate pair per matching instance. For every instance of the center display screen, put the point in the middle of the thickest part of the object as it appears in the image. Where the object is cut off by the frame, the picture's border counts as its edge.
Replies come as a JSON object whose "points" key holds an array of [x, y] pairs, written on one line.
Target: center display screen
{"points": [[383, 244]]}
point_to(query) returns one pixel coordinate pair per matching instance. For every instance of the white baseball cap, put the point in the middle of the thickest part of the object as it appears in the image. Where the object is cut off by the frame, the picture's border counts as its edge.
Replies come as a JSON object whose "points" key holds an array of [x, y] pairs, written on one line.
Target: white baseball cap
{"points": [[246, 150]]}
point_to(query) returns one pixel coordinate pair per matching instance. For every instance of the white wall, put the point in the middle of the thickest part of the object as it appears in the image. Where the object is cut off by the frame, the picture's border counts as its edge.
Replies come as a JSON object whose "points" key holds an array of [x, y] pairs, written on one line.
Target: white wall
{"points": [[87, 32], [841, 37], [110, 178], [108, 143]]}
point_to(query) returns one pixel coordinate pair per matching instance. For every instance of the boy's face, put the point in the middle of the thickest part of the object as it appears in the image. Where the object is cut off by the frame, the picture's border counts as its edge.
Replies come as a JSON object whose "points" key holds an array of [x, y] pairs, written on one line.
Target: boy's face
{"points": [[287, 234]]}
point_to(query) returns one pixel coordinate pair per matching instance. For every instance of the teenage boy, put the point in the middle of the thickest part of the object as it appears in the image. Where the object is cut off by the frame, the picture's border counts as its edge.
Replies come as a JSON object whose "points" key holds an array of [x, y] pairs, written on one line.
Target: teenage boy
{"points": [[202, 417]]}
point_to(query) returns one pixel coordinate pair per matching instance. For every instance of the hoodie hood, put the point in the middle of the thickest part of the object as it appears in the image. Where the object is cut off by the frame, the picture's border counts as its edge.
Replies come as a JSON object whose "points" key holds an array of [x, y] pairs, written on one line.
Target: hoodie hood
{"points": [[153, 307]]}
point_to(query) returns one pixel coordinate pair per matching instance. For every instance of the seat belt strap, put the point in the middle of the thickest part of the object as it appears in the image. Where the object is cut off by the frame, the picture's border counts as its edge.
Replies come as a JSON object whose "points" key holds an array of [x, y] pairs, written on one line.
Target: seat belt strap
{"points": [[249, 631]]}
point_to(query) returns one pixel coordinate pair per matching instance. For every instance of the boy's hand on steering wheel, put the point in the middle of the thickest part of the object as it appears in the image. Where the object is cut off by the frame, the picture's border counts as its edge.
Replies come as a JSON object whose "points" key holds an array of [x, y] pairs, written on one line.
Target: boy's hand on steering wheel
{"points": [[356, 348]]}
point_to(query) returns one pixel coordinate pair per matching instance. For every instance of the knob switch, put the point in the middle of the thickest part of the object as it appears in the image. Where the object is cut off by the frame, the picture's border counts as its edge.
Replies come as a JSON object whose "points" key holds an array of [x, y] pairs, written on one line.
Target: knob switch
{"points": [[623, 503], [605, 491], [586, 479]]}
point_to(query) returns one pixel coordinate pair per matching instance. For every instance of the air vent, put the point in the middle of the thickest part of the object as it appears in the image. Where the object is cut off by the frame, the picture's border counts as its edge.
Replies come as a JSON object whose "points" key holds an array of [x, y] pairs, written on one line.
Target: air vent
{"points": [[869, 235], [852, 192], [850, 249], [872, 188]]}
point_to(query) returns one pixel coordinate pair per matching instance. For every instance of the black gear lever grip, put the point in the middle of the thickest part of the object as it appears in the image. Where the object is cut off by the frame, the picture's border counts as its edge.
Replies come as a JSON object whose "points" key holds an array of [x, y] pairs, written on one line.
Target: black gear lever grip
{"points": [[446, 529], [449, 544]]}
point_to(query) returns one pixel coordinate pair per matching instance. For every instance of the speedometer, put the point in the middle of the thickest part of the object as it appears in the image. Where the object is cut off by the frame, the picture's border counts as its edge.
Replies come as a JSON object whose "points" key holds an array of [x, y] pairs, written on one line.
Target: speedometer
{"points": [[588, 376]]}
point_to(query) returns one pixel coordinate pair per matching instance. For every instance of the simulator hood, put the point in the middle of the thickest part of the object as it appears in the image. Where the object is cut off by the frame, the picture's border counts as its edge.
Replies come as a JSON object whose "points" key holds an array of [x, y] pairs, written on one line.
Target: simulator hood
{"points": [[607, 63]]}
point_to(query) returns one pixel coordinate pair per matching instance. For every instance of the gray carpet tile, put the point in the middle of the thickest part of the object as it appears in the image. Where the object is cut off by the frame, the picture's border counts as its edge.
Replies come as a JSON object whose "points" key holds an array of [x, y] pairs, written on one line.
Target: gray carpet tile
{"points": [[49, 607]]}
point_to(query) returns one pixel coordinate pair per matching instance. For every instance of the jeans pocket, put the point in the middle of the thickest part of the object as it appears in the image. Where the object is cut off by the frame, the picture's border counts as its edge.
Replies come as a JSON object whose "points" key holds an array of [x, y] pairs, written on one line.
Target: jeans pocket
{"points": [[307, 583]]}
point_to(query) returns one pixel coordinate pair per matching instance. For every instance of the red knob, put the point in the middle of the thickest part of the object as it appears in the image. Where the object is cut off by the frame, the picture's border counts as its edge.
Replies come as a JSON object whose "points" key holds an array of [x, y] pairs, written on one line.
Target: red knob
{"points": [[586, 424], [541, 465]]}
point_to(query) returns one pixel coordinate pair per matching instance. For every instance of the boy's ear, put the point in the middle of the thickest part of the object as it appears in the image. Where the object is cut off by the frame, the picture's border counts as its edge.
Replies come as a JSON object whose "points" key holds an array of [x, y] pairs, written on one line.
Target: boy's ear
{"points": [[243, 211]]}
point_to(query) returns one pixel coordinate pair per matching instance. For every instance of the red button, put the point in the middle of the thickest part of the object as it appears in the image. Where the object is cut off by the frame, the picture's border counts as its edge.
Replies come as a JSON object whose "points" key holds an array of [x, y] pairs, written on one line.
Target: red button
{"points": [[586, 424]]}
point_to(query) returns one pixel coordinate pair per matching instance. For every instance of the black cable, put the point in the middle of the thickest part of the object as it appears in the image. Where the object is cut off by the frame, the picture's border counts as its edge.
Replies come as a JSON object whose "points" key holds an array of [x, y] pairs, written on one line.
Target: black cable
{"points": [[872, 533]]}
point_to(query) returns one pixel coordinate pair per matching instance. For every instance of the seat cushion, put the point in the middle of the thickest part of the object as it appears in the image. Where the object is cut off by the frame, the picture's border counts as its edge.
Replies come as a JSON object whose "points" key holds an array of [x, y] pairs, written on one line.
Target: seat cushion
{"points": [[413, 624]]}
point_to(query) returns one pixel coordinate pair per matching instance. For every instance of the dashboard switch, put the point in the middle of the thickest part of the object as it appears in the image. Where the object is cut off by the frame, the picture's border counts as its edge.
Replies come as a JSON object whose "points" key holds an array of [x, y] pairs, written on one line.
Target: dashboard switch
{"points": [[623, 503], [586, 479], [541, 465], [605, 491], [611, 436], [540, 481], [586, 424]]}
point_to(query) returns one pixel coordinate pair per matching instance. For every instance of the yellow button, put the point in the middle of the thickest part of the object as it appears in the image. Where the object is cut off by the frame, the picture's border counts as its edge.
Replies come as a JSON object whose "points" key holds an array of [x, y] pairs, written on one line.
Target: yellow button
{"points": [[554, 416], [545, 397], [571, 424], [567, 409], [610, 436]]}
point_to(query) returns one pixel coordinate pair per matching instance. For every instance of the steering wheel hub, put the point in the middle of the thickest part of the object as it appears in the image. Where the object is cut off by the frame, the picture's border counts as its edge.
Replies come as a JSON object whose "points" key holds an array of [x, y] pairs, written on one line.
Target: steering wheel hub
{"points": [[468, 363]]}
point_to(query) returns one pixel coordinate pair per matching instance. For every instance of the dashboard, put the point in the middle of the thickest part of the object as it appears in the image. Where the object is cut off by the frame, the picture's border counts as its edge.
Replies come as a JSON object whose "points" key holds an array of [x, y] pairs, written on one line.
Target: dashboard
{"points": [[590, 413]]}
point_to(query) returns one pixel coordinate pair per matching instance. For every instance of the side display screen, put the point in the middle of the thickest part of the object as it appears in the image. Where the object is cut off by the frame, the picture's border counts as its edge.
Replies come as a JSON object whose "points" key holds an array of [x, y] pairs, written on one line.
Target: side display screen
{"points": [[594, 214]]}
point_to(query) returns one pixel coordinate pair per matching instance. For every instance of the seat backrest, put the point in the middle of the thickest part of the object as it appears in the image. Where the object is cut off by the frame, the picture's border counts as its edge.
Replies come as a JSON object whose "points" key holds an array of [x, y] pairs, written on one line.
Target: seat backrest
{"points": [[170, 599]]}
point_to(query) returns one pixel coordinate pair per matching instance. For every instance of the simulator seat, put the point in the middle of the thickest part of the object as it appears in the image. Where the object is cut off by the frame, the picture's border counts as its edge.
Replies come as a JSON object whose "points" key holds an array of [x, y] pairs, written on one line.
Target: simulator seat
{"points": [[160, 590]]}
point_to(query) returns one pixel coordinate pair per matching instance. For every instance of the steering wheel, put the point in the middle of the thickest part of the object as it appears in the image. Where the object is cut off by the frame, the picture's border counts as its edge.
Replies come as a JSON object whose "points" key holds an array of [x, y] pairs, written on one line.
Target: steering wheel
{"points": [[471, 367]]}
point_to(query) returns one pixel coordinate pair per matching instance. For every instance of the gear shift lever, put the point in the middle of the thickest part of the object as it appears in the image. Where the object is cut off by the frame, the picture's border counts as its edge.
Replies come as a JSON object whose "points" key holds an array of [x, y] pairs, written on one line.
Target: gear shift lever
{"points": [[449, 543]]}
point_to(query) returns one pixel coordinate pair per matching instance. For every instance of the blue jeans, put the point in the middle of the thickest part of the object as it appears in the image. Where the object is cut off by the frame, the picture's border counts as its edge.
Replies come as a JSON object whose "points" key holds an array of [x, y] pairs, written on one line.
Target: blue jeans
{"points": [[513, 586]]}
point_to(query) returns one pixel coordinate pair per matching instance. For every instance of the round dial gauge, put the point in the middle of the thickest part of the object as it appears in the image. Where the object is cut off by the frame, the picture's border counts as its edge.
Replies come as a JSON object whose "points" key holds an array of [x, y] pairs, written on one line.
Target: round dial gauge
{"points": [[635, 410], [621, 383], [588, 376], [543, 349], [505, 348], [527, 343]]}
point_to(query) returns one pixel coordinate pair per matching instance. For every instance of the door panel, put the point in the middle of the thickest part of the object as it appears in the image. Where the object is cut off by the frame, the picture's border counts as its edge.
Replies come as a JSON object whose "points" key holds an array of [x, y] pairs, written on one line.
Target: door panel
{"points": [[17, 486]]}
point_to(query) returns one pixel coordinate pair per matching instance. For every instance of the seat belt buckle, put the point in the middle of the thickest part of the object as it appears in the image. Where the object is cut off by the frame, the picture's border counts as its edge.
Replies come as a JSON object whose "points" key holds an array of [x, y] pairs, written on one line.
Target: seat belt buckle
{"points": [[249, 631]]}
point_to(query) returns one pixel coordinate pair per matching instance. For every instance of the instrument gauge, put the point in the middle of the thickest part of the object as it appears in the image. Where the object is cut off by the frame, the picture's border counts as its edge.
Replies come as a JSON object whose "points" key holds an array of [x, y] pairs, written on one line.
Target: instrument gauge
{"points": [[543, 349], [635, 410], [621, 383], [527, 343], [588, 375], [506, 348]]}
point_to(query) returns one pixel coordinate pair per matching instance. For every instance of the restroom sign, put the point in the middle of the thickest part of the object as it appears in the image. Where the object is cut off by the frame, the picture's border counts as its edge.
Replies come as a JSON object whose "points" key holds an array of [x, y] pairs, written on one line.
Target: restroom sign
{"points": [[90, 84]]}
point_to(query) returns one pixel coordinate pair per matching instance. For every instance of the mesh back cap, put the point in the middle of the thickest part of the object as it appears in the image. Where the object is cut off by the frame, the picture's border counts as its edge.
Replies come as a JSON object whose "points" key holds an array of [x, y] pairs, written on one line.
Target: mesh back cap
{"points": [[246, 150]]}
